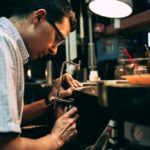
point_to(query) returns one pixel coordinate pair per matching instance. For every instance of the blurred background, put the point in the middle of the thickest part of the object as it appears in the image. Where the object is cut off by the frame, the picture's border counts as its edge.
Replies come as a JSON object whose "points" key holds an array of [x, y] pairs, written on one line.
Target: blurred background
{"points": [[109, 38]]}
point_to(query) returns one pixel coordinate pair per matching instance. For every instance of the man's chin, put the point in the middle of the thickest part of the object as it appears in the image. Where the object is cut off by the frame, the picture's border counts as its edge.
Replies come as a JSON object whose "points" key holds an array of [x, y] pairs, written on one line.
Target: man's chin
{"points": [[52, 53], [41, 56], [34, 58]]}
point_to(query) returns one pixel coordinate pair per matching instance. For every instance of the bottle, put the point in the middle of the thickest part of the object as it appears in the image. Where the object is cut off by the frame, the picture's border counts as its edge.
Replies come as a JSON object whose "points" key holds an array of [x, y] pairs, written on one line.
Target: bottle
{"points": [[140, 70], [119, 71], [93, 77]]}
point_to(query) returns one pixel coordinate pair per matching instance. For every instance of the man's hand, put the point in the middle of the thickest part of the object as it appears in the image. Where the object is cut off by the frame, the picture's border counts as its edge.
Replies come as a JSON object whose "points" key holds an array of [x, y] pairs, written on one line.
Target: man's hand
{"points": [[70, 81], [65, 127]]}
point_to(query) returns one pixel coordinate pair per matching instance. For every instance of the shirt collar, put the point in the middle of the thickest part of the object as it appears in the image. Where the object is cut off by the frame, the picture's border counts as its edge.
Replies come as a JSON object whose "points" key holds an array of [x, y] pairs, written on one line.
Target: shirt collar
{"points": [[14, 34]]}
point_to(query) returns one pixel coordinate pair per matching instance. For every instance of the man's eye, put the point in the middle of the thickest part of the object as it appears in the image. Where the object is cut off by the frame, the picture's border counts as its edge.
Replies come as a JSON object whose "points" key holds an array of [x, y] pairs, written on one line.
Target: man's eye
{"points": [[57, 40]]}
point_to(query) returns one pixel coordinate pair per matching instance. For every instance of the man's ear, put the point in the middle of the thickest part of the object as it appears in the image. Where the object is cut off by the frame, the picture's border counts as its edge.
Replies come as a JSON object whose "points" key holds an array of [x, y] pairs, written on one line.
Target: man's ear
{"points": [[39, 15]]}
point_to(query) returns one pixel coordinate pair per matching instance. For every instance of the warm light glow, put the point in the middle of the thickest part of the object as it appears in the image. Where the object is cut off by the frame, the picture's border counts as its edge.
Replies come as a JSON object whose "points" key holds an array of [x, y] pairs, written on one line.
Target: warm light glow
{"points": [[29, 73], [111, 8], [149, 39]]}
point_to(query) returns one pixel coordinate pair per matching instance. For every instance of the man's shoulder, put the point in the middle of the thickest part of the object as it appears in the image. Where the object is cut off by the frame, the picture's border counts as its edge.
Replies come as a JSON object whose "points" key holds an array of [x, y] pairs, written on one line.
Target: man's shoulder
{"points": [[4, 36], [5, 39]]}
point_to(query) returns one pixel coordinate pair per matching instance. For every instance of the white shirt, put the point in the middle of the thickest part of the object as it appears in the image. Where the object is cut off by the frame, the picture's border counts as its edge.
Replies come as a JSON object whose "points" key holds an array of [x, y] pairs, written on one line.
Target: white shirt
{"points": [[13, 55]]}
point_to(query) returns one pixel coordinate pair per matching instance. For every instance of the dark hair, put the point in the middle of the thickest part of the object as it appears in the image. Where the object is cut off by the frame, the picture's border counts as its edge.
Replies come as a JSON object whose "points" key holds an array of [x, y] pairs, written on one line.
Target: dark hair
{"points": [[56, 9]]}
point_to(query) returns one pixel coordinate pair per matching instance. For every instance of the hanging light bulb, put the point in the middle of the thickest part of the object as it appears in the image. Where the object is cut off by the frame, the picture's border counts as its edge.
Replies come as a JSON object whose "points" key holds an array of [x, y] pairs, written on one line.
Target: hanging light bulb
{"points": [[111, 8]]}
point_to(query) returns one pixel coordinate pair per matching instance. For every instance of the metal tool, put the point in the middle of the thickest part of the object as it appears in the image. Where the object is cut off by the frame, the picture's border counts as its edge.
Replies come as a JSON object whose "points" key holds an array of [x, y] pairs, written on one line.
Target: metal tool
{"points": [[57, 98]]}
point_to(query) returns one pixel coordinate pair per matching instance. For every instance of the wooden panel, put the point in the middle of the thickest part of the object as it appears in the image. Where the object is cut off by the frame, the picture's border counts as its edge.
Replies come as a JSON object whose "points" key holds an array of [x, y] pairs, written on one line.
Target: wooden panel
{"points": [[135, 21]]}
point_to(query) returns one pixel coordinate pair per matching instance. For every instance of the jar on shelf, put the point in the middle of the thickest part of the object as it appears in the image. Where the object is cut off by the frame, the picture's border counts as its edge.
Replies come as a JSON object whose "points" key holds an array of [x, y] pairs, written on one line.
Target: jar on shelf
{"points": [[140, 70], [119, 71]]}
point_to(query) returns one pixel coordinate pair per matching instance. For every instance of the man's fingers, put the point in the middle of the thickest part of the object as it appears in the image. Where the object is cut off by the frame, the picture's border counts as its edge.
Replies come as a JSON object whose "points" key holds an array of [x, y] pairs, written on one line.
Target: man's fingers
{"points": [[78, 83], [74, 83], [71, 81], [72, 112], [68, 92]]}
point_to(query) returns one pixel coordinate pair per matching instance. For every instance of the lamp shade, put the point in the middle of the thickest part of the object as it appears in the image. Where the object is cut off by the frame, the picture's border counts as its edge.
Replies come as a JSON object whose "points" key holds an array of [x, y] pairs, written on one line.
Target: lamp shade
{"points": [[111, 8]]}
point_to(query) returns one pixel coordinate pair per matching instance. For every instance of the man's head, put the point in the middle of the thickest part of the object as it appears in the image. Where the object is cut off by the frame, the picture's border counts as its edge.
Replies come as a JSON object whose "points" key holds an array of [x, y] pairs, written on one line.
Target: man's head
{"points": [[45, 23]]}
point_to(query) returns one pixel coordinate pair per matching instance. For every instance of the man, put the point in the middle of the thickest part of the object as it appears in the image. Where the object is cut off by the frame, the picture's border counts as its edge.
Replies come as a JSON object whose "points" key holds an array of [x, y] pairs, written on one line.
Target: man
{"points": [[35, 29]]}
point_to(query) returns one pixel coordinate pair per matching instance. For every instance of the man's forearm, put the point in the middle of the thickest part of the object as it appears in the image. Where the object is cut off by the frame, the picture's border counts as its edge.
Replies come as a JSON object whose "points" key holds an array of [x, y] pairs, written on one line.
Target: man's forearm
{"points": [[34, 110], [16, 143]]}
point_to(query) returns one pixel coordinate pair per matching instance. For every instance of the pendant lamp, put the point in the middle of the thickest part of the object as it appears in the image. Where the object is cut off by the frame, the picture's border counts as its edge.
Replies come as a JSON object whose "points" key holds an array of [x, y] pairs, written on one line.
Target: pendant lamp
{"points": [[111, 8]]}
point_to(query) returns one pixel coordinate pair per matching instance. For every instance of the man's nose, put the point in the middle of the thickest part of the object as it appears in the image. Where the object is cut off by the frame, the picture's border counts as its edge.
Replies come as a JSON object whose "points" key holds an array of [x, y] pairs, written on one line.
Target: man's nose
{"points": [[53, 50]]}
